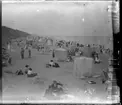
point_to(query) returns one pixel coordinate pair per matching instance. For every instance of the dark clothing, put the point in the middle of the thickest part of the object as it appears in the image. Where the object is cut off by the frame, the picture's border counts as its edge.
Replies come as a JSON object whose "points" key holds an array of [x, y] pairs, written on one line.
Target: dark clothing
{"points": [[19, 72], [10, 60], [53, 54], [56, 65], [22, 53], [29, 51]]}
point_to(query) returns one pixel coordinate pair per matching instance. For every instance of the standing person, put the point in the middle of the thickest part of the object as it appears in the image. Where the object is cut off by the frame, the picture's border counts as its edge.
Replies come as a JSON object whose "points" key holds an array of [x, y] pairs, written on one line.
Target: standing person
{"points": [[38, 48], [22, 53], [53, 54], [29, 52], [10, 60]]}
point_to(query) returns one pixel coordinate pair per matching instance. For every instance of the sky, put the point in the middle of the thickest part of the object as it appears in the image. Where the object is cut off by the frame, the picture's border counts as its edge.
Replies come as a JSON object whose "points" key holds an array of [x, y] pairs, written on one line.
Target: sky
{"points": [[59, 18]]}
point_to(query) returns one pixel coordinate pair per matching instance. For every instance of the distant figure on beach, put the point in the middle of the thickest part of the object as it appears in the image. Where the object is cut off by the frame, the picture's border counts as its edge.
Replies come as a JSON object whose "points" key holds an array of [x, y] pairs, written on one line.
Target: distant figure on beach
{"points": [[10, 60], [29, 52], [38, 48], [53, 54], [22, 53]]}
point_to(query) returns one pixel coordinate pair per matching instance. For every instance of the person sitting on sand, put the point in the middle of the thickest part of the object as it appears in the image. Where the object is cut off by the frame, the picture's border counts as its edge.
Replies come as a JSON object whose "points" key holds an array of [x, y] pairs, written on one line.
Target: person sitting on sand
{"points": [[51, 63], [19, 72], [29, 72], [26, 68]]}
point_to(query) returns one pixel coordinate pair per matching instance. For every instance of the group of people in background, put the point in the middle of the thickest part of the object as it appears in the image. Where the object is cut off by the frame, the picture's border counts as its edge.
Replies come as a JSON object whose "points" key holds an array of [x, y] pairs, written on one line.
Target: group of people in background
{"points": [[67, 45], [23, 52]]}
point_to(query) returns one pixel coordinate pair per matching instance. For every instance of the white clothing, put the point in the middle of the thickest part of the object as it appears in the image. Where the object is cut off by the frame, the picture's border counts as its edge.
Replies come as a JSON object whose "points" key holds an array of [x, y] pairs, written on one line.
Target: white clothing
{"points": [[51, 63], [29, 72], [96, 59]]}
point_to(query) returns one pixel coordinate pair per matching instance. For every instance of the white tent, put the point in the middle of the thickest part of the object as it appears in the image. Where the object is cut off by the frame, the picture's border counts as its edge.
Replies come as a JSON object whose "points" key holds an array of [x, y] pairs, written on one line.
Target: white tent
{"points": [[61, 54], [87, 51], [49, 42], [82, 66]]}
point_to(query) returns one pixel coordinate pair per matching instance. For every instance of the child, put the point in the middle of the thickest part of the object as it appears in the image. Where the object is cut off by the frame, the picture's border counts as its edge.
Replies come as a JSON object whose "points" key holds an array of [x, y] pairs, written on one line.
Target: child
{"points": [[51, 63], [26, 68], [29, 72]]}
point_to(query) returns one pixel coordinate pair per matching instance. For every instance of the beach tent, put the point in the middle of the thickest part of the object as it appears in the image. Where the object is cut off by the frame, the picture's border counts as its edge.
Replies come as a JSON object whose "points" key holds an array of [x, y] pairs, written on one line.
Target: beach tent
{"points": [[49, 42], [61, 54], [82, 66], [87, 51]]}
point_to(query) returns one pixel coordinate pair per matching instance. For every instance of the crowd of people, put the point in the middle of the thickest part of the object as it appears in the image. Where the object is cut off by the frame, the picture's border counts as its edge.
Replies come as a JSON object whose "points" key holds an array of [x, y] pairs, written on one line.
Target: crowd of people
{"points": [[23, 51], [73, 48]]}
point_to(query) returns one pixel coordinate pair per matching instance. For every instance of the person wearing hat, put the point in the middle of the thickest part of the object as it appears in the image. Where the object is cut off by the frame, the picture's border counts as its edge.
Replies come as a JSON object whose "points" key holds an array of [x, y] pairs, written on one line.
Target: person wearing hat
{"points": [[51, 63]]}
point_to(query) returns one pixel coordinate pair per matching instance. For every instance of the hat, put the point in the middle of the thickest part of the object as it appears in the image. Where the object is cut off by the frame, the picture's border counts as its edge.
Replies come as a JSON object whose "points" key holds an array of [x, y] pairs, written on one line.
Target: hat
{"points": [[26, 65], [51, 60], [30, 68]]}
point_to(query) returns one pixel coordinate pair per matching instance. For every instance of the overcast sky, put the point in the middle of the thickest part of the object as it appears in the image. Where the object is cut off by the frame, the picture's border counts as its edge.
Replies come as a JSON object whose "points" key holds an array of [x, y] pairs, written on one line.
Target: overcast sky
{"points": [[59, 19]]}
